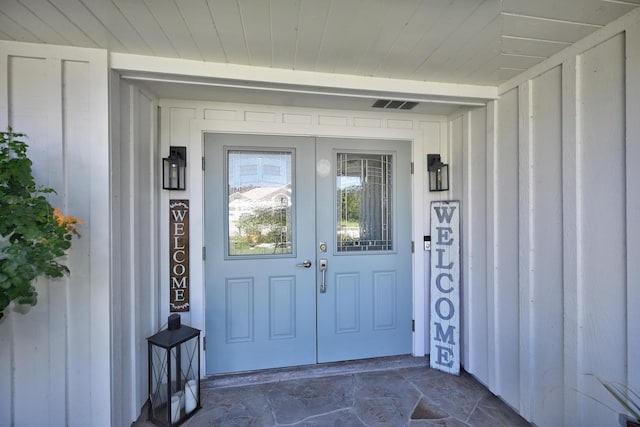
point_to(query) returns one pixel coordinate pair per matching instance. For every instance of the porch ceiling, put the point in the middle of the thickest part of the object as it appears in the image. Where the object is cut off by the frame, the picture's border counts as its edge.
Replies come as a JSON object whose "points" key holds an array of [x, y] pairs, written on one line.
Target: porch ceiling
{"points": [[476, 42]]}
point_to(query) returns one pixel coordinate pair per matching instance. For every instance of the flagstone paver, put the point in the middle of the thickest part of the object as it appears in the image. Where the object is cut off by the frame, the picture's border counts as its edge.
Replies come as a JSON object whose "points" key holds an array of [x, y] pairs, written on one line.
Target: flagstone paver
{"points": [[387, 392]]}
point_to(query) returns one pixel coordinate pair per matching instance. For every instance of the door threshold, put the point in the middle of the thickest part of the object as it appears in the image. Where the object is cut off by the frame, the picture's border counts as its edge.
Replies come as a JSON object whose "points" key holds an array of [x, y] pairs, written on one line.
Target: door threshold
{"points": [[237, 379]]}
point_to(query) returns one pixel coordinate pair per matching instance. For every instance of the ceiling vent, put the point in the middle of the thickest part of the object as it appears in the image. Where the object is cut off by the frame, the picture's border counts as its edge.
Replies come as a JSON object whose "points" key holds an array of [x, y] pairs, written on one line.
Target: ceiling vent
{"points": [[394, 104]]}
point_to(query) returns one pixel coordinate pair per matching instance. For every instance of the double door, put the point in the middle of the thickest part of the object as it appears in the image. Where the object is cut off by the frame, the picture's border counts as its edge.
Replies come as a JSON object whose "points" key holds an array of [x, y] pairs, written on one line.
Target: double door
{"points": [[308, 250]]}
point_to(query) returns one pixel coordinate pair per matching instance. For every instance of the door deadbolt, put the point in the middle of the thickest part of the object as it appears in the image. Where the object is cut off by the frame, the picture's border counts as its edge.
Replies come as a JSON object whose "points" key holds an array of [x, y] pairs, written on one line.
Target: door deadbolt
{"points": [[323, 247]]}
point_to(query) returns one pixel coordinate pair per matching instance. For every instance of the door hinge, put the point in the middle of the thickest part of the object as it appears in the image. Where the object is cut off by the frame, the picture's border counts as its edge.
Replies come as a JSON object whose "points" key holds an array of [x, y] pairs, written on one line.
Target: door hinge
{"points": [[411, 168], [413, 246], [203, 163], [204, 253], [204, 343], [413, 325]]}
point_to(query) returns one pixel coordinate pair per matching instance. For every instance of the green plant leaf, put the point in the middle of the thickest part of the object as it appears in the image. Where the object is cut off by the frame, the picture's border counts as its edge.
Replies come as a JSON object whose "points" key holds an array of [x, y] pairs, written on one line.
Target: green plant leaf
{"points": [[34, 236]]}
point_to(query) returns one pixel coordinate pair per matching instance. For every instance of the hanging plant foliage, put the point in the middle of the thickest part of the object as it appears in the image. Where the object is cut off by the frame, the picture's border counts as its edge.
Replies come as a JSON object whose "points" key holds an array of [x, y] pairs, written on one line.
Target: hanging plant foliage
{"points": [[33, 234]]}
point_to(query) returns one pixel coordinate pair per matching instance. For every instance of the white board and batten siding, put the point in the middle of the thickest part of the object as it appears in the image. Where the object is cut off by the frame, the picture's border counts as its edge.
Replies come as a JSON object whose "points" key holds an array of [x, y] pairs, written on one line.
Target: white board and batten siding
{"points": [[135, 206], [551, 193], [55, 360]]}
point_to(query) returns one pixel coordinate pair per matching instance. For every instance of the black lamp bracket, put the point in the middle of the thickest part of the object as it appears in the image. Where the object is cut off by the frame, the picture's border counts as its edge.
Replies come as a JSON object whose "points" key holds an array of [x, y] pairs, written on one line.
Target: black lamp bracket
{"points": [[179, 153]]}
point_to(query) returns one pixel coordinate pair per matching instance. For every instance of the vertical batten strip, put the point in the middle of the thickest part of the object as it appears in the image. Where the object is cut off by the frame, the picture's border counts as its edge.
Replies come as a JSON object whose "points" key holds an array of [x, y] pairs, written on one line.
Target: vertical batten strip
{"points": [[506, 262], [466, 245], [632, 46], [570, 225], [4, 88], [117, 256], [525, 249], [492, 357], [134, 222], [6, 324], [419, 276], [100, 229], [57, 289]]}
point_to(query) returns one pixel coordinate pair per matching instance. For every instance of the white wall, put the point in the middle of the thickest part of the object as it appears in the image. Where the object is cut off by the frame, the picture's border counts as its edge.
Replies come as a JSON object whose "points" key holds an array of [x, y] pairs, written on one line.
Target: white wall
{"points": [[551, 226], [135, 189], [55, 359]]}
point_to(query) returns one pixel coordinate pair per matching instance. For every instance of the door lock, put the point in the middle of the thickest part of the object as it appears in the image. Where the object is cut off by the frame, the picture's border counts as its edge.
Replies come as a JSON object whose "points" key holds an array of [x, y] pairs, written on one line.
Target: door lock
{"points": [[323, 270]]}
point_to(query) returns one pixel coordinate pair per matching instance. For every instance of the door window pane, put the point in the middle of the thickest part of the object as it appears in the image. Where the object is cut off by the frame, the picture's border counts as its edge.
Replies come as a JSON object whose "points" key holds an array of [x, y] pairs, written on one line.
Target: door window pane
{"points": [[260, 202], [364, 202]]}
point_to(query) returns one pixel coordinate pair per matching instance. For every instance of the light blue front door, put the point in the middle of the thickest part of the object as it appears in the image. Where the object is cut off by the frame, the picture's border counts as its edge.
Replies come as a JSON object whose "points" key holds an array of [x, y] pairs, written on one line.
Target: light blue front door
{"points": [[363, 210], [276, 209]]}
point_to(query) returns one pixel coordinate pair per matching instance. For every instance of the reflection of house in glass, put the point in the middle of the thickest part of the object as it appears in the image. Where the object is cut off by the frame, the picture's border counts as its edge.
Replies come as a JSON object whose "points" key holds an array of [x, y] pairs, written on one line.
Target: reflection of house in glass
{"points": [[259, 209]]}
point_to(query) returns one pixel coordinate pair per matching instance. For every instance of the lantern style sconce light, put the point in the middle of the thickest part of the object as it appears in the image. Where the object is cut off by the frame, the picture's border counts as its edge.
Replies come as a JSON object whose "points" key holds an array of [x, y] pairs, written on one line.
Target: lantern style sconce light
{"points": [[438, 173], [174, 169], [174, 373]]}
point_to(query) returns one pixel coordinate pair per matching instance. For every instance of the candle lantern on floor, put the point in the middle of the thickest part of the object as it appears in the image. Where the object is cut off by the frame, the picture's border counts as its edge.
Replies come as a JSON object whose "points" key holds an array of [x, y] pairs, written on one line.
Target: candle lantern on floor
{"points": [[174, 373]]}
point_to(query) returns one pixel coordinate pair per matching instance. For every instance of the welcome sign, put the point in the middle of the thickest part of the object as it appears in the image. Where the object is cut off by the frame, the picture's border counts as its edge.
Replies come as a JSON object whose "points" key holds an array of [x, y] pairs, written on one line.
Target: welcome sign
{"points": [[445, 286], [179, 255]]}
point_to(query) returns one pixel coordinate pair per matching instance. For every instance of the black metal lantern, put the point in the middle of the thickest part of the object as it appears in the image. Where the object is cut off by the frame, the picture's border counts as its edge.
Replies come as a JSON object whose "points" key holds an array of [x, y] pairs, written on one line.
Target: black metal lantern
{"points": [[174, 169], [438, 173], [174, 373]]}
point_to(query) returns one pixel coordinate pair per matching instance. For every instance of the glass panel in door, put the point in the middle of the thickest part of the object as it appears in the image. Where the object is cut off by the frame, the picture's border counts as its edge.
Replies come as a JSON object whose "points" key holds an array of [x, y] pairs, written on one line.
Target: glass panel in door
{"points": [[364, 195], [260, 202]]}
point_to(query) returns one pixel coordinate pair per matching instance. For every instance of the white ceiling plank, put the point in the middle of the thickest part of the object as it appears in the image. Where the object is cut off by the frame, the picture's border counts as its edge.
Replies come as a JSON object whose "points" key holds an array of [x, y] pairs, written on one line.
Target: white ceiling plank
{"points": [[474, 32], [586, 11], [111, 18], [342, 17], [197, 17], [508, 73], [473, 55], [398, 51], [27, 19], [454, 41], [228, 22], [167, 15], [85, 20], [59, 22], [530, 27], [311, 30], [388, 22], [447, 24], [531, 47], [284, 31], [141, 18], [257, 26], [375, 28], [524, 62], [487, 72], [15, 30]]}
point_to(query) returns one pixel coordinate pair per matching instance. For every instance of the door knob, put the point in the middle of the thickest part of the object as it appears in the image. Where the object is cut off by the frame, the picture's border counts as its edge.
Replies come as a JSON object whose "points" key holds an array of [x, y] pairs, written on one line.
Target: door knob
{"points": [[305, 264]]}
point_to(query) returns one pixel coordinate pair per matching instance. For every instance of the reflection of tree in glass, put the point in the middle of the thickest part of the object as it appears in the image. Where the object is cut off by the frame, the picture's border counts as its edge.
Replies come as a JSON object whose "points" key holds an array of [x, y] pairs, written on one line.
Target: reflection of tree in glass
{"points": [[351, 204], [265, 226]]}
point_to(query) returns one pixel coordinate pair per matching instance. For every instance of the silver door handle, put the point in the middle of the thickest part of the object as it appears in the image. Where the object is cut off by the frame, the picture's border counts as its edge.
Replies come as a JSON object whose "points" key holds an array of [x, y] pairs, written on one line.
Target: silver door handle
{"points": [[305, 264], [323, 270]]}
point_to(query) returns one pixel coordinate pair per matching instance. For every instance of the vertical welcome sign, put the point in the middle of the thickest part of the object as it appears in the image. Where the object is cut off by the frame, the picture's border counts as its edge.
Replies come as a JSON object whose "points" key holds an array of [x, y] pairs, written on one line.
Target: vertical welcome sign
{"points": [[179, 255], [445, 286]]}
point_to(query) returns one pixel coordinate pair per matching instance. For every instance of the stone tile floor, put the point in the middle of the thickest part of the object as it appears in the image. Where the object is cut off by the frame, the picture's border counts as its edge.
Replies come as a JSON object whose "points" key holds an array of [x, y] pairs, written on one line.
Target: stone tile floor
{"points": [[395, 392]]}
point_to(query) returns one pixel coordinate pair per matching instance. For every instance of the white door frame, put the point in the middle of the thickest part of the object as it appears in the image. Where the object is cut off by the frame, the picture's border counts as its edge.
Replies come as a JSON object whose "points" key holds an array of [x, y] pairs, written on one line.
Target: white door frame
{"points": [[198, 127]]}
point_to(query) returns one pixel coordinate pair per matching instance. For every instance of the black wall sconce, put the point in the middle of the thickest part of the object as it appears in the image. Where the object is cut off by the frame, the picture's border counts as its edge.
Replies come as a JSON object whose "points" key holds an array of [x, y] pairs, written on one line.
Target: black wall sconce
{"points": [[174, 169], [438, 173]]}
